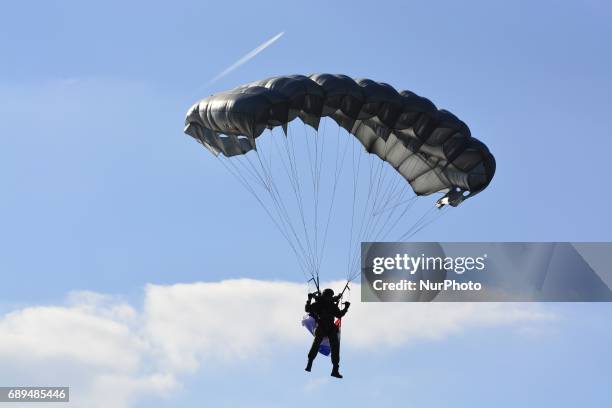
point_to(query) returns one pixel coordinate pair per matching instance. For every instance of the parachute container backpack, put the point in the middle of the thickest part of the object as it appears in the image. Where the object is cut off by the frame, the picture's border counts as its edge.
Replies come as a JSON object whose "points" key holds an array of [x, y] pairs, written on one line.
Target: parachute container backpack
{"points": [[352, 169]]}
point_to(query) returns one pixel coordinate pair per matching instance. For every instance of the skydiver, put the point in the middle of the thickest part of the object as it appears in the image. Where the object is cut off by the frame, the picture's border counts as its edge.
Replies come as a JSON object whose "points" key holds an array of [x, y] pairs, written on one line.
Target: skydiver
{"points": [[324, 310]]}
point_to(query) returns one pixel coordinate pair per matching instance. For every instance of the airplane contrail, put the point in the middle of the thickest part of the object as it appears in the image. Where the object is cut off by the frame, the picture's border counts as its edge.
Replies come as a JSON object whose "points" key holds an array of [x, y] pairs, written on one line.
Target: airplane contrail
{"points": [[247, 57]]}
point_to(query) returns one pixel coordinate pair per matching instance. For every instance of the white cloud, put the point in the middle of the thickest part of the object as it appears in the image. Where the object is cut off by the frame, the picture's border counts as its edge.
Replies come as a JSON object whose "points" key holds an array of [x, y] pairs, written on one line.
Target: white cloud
{"points": [[112, 352], [315, 384]]}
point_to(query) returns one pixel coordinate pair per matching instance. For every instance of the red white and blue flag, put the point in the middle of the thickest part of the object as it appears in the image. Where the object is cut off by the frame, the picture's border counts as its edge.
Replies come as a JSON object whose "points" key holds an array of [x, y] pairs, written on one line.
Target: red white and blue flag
{"points": [[311, 325]]}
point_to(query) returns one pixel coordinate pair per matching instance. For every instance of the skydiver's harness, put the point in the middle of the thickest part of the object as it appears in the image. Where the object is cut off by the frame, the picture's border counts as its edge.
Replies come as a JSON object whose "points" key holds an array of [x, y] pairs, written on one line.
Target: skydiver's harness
{"points": [[336, 299]]}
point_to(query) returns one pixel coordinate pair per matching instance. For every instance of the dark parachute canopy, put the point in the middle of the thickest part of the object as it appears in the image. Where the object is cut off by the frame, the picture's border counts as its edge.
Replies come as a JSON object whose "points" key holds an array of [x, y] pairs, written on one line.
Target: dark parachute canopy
{"points": [[429, 148]]}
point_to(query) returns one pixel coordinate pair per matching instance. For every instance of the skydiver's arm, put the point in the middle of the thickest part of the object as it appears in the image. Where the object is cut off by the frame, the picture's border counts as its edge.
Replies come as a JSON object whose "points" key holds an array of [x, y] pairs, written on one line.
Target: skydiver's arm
{"points": [[340, 313], [308, 306]]}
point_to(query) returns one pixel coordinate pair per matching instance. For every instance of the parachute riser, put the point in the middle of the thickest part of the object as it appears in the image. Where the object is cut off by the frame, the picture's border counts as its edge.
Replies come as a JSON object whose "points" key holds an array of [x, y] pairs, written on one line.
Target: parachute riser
{"points": [[315, 280], [339, 296]]}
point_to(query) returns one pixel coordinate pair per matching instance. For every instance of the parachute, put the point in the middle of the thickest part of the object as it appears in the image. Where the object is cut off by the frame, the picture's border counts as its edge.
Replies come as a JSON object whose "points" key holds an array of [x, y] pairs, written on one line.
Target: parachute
{"points": [[428, 149]]}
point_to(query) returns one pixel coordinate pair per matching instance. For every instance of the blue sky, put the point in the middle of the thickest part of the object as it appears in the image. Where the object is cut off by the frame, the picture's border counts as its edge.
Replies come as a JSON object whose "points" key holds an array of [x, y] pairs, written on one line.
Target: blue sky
{"points": [[103, 193]]}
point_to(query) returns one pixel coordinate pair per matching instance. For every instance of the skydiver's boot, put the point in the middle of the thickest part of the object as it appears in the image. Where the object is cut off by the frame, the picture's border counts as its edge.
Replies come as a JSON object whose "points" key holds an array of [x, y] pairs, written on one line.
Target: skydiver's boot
{"points": [[309, 365], [335, 372]]}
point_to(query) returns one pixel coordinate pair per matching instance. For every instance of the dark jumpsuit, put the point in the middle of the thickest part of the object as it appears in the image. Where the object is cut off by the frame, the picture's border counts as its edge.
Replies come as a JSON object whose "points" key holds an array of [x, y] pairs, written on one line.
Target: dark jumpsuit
{"points": [[324, 311]]}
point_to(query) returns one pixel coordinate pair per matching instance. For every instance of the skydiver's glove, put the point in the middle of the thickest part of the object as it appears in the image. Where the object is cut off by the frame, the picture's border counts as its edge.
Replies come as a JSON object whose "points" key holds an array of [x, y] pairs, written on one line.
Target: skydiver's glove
{"points": [[310, 296], [347, 304]]}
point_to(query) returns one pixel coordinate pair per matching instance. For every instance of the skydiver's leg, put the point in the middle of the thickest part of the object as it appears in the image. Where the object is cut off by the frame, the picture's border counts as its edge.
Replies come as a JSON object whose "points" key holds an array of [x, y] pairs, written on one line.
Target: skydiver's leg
{"points": [[334, 344], [314, 349]]}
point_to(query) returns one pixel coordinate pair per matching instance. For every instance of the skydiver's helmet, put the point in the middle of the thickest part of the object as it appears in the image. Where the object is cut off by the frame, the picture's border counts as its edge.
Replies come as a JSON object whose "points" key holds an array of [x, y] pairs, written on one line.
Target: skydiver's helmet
{"points": [[328, 293]]}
